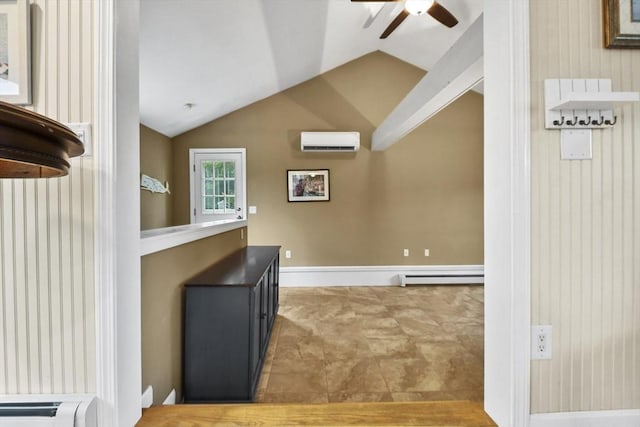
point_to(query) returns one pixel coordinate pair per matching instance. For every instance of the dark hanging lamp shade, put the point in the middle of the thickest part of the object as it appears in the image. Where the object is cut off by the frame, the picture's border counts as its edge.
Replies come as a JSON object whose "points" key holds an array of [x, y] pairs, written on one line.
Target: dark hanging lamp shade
{"points": [[34, 146]]}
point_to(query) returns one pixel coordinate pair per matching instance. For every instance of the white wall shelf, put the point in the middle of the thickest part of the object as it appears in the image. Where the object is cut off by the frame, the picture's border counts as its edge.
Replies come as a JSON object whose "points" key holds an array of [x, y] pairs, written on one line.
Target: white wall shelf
{"points": [[575, 106], [596, 100], [583, 103]]}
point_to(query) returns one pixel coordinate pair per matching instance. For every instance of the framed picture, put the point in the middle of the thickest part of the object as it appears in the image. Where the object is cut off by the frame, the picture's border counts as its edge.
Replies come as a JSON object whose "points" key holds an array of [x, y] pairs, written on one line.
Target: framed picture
{"points": [[308, 185], [15, 52], [621, 23]]}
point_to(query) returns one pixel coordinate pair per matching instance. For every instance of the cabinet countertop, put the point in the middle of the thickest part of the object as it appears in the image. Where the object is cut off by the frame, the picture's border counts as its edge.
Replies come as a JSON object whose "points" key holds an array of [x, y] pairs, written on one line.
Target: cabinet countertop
{"points": [[242, 268]]}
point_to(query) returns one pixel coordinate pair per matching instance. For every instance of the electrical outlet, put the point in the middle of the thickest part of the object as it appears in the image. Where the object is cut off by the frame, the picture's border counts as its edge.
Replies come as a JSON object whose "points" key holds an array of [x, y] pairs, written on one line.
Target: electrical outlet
{"points": [[541, 339], [287, 254], [406, 252], [426, 252]]}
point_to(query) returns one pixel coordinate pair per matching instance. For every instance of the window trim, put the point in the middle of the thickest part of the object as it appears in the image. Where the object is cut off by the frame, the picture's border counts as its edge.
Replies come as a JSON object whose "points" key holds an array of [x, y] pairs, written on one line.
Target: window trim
{"points": [[213, 151]]}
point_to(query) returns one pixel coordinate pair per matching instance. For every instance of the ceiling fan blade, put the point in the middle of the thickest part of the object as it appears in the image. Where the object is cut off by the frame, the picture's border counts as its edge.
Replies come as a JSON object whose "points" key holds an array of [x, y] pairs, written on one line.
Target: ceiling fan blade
{"points": [[394, 24], [442, 15]]}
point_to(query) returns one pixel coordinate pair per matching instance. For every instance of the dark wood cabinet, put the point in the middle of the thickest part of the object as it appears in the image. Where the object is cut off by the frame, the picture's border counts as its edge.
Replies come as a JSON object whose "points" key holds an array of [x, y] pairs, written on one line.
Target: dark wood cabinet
{"points": [[229, 310]]}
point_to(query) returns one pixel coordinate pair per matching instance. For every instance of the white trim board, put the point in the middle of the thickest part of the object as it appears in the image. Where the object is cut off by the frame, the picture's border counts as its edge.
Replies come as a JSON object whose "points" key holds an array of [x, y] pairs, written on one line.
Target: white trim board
{"points": [[366, 275], [104, 246], [507, 212], [159, 239], [117, 210], [622, 418]]}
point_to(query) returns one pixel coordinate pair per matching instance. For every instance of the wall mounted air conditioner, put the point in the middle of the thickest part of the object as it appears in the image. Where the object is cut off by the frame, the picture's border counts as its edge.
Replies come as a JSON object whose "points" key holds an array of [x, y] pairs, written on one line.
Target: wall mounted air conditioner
{"points": [[330, 141], [48, 410]]}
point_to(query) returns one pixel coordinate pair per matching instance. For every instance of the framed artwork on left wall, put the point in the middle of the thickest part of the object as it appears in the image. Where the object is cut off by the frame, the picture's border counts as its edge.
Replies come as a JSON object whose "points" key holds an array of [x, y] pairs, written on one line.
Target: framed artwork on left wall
{"points": [[621, 23], [308, 185], [15, 52]]}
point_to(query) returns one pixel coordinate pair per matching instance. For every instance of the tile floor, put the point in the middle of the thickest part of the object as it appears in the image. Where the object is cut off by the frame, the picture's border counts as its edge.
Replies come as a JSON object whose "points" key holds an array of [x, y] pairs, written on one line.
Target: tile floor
{"points": [[375, 344]]}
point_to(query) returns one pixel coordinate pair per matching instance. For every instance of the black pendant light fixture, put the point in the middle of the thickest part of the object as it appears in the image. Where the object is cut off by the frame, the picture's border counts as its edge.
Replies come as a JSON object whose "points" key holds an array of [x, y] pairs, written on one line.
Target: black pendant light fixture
{"points": [[34, 146]]}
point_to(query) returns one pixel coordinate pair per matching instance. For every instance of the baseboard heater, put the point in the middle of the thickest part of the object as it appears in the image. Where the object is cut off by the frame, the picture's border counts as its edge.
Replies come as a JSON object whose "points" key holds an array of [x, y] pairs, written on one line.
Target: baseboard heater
{"points": [[440, 278], [48, 411]]}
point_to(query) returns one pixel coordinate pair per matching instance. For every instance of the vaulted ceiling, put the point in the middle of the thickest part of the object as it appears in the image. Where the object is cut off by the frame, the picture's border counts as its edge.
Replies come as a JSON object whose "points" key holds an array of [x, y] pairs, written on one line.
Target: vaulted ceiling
{"points": [[219, 55]]}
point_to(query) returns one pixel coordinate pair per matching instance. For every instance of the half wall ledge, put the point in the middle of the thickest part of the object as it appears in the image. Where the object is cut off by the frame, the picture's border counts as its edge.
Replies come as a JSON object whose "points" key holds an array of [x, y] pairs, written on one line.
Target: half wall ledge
{"points": [[159, 239]]}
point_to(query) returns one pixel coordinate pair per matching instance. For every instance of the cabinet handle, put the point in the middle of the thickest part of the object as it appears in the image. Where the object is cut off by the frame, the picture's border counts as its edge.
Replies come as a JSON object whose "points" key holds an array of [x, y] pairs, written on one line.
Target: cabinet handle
{"points": [[263, 316]]}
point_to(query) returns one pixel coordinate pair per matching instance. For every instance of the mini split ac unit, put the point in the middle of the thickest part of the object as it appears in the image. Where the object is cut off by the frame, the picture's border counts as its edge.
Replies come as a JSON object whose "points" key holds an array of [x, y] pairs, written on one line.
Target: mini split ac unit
{"points": [[61, 410], [330, 141]]}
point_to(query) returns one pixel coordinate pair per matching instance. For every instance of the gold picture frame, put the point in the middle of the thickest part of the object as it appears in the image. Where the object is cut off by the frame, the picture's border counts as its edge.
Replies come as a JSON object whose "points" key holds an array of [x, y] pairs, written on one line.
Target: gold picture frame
{"points": [[15, 52], [621, 23]]}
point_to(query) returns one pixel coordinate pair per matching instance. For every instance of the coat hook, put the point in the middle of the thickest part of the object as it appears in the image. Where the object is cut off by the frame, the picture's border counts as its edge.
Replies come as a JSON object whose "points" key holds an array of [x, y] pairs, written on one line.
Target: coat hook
{"points": [[585, 122], [598, 123], [559, 122], [575, 121], [611, 123]]}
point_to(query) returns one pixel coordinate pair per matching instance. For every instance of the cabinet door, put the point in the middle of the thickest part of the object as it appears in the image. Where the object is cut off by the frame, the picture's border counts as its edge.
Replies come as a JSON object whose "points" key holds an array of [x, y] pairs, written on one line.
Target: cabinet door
{"points": [[216, 354], [275, 285], [269, 286], [255, 351], [264, 322]]}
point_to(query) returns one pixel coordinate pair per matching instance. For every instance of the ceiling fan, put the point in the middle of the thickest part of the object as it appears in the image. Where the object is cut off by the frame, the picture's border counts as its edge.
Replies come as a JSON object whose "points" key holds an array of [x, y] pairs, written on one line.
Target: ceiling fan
{"points": [[418, 7]]}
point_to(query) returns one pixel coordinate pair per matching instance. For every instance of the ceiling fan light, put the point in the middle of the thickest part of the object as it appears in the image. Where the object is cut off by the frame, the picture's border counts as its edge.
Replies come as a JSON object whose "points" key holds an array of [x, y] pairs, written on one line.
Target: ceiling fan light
{"points": [[417, 7]]}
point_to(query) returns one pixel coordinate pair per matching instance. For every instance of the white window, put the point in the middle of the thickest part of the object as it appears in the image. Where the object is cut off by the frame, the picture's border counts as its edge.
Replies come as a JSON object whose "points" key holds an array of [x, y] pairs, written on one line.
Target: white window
{"points": [[218, 188]]}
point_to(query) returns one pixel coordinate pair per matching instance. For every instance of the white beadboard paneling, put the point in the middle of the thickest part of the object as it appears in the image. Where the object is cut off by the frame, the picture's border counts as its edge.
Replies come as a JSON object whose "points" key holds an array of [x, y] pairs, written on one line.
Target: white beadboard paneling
{"points": [[47, 325], [585, 224]]}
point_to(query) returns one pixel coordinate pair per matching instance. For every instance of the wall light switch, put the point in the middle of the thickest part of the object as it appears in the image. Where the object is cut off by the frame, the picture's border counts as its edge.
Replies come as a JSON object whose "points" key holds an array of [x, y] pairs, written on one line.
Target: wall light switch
{"points": [[426, 252], [287, 254], [253, 209], [406, 252], [83, 131]]}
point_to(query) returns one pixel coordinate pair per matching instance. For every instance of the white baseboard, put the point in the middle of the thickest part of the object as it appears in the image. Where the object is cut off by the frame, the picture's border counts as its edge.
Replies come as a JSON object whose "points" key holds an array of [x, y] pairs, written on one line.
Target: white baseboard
{"points": [[365, 275], [622, 418]]}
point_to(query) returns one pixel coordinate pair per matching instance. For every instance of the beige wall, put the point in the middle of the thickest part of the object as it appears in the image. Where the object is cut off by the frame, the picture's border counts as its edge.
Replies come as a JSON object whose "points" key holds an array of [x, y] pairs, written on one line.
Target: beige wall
{"points": [[585, 224], [47, 326], [156, 162], [424, 192], [163, 274]]}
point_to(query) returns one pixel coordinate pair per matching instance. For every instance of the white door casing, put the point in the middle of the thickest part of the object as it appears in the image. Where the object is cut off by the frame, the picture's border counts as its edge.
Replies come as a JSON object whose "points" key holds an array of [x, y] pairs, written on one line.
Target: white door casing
{"points": [[119, 383], [217, 184]]}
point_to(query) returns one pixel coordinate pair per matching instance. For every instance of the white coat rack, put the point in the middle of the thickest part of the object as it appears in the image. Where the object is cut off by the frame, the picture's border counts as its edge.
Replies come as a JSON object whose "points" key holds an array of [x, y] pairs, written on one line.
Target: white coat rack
{"points": [[575, 106]]}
